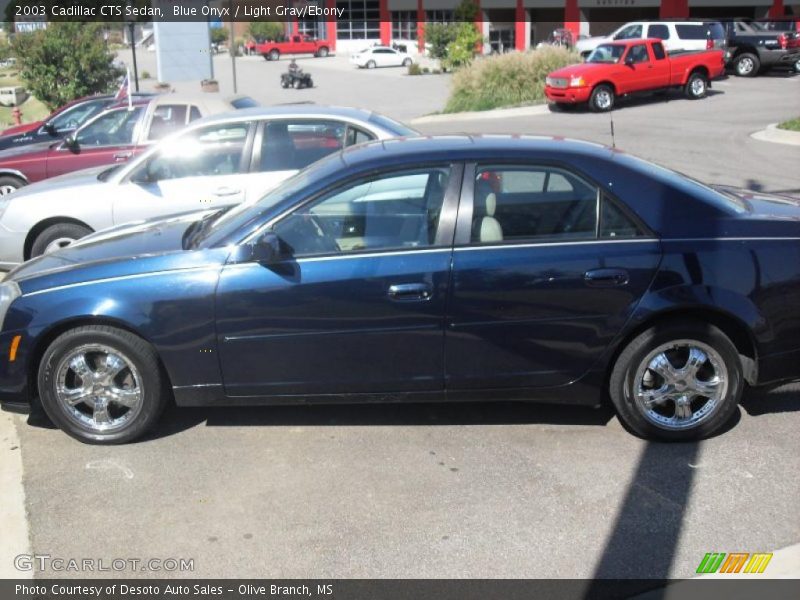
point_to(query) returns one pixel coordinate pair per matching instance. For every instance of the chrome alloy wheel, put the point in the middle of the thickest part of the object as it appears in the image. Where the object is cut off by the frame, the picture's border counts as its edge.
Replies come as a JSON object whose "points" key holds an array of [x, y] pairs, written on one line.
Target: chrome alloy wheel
{"points": [[7, 189], [745, 66], [58, 244], [99, 388], [680, 384], [698, 86], [603, 99]]}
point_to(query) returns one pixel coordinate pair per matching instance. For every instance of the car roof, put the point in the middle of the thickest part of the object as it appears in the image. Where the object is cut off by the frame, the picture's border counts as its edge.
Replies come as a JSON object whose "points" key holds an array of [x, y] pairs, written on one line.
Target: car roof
{"points": [[289, 110], [465, 147]]}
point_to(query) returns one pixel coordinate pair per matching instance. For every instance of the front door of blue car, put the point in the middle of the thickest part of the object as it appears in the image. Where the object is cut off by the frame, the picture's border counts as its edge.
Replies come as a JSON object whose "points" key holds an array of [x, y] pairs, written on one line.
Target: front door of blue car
{"points": [[356, 303], [547, 268]]}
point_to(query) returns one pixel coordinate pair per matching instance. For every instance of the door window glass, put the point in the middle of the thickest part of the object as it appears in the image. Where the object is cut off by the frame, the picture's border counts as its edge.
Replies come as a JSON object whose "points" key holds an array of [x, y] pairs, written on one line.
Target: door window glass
{"points": [[357, 136], [113, 128], [74, 117], [658, 52], [532, 203], [392, 211], [660, 32], [692, 32], [290, 145], [213, 150], [167, 118], [629, 33], [638, 54], [615, 224]]}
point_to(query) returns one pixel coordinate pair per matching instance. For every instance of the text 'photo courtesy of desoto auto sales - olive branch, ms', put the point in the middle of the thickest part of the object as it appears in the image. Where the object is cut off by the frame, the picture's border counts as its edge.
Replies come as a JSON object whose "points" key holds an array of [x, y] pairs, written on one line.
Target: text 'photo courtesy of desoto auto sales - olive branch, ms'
{"points": [[452, 299]]}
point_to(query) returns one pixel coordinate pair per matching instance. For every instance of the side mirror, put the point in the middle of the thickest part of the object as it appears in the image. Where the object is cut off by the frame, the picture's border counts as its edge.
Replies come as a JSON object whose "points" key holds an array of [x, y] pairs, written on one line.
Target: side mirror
{"points": [[49, 128], [266, 249], [70, 142]]}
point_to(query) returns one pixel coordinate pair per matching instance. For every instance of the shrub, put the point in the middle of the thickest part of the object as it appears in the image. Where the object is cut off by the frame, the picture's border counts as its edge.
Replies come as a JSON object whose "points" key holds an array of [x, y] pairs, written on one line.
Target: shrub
{"points": [[510, 79], [219, 35], [65, 61], [438, 37], [461, 50], [414, 69], [145, 75], [426, 70]]}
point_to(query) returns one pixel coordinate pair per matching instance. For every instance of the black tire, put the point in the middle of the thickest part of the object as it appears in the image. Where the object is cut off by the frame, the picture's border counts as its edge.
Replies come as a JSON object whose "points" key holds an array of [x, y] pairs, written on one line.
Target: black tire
{"points": [[133, 348], [797, 66], [284, 83], [297, 84], [9, 184], [274, 55], [54, 233], [696, 86], [636, 354], [407, 62], [310, 83], [602, 98], [371, 64], [322, 52], [746, 65]]}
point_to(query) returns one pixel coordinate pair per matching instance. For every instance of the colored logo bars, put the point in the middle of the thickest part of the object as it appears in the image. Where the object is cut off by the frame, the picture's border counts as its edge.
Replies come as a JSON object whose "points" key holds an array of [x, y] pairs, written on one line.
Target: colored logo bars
{"points": [[736, 562]]}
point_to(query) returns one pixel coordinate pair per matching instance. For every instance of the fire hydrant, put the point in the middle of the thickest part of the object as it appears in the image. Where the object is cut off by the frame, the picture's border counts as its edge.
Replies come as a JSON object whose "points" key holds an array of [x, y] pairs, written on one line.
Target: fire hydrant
{"points": [[17, 115]]}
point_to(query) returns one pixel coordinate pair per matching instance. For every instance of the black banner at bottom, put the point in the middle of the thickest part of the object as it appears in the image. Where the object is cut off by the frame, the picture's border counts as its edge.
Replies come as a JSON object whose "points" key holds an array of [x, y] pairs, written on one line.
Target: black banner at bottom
{"points": [[396, 589]]}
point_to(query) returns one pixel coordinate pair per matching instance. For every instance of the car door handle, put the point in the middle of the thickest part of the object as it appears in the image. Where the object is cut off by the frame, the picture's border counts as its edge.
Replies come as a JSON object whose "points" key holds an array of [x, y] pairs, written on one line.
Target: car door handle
{"points": [[225, 191], [123, 155], [410, 292], [606, 277]]}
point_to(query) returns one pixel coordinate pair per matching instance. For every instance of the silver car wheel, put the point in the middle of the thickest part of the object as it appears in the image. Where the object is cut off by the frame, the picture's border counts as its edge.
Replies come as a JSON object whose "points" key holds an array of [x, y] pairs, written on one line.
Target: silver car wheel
{"points": [[680, 384], [698, 86], [58, 244], [745, 66], [603, 99], [7, 189], [99, 388]]}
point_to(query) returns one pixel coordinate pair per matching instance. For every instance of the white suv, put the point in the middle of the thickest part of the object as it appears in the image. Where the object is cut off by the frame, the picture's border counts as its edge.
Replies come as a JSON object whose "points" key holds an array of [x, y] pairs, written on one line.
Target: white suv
{"points": [[677, 35]]}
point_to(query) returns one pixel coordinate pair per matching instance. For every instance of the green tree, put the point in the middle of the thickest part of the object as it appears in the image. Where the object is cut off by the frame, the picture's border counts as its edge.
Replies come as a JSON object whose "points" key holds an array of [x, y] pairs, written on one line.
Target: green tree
{"points": [[266, 30], [438, 37], [219, 35], [64, 62], [461, 50], [466, 11]]}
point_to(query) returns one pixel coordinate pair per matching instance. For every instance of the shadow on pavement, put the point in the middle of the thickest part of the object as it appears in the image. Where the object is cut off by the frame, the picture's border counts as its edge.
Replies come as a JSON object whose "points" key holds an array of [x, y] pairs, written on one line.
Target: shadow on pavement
{"points": [[766, 401]]}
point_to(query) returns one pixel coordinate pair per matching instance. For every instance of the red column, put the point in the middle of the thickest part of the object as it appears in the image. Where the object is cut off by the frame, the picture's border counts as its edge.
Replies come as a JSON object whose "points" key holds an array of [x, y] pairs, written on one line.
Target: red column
{"points": [[520, 25], [572, 17], [420, 26], [479, 26], [674, 9], [386, 22], [776, 10], [331, 25]]}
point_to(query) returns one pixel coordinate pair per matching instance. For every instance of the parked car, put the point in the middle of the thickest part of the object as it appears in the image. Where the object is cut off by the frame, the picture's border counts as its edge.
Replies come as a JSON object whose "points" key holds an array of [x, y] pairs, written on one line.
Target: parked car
{"points": [[296, 44], [113, 136], [214, 162], [60, 123], [676, 35], [452, 268], [380, 56], [621, 68], [755, 47]]}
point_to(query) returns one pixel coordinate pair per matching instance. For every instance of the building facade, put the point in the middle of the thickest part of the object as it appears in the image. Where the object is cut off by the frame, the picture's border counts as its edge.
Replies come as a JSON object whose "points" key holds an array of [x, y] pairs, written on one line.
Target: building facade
{"points": [[510, 24]]}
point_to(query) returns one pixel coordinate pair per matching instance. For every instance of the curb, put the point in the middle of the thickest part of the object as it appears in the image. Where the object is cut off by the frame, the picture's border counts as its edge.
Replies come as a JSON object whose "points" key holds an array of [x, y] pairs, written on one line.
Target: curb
{"points": [[15, 538], [497, 113], [777, 136]]}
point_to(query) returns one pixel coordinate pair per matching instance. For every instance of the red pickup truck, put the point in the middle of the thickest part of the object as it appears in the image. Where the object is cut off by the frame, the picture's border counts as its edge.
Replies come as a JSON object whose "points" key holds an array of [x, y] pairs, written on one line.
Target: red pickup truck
{"points": [[626, 67], [296, 44]]}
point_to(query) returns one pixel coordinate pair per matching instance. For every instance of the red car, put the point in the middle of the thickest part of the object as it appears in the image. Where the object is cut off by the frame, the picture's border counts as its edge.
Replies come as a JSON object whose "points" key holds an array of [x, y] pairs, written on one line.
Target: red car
{"points": [[113, 136], [296, 44], [627, 67]]}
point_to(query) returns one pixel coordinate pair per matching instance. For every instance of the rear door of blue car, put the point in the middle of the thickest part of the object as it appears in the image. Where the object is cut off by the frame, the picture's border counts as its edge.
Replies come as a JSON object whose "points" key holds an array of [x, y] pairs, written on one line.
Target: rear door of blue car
{"points": [[547, 269]]}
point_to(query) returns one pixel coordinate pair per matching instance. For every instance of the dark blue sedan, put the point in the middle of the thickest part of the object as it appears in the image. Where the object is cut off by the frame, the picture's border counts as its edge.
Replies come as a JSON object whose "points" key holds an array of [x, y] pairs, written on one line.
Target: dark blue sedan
{"points": [[452, 268]]}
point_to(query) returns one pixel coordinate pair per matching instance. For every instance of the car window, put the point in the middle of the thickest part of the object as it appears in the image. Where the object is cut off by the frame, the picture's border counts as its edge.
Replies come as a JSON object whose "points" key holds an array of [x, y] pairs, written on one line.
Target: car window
{"points": [[716, 30], [74, 117], [532, 203], [660, 32], [113, 128], [167, 119], [210, 151], [630, 32], [244, 102], [606, 53], [658, 51], [194, 113], [292, 144], [399, 210], [356, 135], [615, 224], [638, 54], [692, 32]]}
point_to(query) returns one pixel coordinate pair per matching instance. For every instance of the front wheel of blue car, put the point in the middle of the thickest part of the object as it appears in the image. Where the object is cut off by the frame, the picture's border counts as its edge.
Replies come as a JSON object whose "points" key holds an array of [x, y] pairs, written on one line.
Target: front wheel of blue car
{"points": [[677, 381], [101, 385]]}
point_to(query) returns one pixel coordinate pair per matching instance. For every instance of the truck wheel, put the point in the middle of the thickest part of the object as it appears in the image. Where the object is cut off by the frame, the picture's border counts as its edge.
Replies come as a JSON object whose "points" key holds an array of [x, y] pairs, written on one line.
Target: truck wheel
{"points": [[602, 98], [274, 55], [9, 184], [58, 236], [102, 385], [371, 64], [677, 381], [696, 87], [322, 52], [746, 65]]}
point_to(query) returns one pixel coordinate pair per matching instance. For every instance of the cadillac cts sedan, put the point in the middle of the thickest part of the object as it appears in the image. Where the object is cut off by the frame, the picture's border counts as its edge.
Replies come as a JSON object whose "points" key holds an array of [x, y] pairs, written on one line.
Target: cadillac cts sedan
{"points": [[452, 268]]}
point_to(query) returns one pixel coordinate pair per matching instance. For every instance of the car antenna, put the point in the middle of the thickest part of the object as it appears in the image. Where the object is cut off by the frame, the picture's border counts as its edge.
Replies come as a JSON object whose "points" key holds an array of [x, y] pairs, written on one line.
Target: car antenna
{"points": [[611, 118]]}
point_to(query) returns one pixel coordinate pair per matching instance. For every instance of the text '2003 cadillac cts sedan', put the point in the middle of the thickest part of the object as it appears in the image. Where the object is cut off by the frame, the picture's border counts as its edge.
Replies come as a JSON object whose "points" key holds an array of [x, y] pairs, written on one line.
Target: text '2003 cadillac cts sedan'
{"points": [[449, 268]]}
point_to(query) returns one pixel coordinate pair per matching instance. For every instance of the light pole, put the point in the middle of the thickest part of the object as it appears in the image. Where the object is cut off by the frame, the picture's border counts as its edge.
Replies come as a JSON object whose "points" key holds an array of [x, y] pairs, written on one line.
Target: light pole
{"points": [[132, 31], [233, 49]]}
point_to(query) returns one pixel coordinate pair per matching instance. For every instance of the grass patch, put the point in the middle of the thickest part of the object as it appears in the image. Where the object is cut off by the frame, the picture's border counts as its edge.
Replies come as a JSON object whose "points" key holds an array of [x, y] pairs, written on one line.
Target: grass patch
{"points": [[506, 80], [32, 109], [791, 125]]}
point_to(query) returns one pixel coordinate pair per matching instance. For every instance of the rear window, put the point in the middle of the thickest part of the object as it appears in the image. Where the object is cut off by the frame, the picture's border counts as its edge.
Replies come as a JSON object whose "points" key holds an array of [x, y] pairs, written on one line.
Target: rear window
{"points": [[394, 127], [658, 51], [715, 30], [244, 102], [692, 32]]}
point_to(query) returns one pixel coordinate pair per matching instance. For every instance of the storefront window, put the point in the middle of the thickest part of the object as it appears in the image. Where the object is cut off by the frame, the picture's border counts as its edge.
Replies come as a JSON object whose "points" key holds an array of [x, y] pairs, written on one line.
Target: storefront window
{"points": [[360, 20], [404, 25], [439, 16]]}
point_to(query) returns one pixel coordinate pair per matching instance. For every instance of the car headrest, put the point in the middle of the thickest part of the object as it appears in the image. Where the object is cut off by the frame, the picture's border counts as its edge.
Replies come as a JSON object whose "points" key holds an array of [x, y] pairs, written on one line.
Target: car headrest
{"points": [[491, 204]]}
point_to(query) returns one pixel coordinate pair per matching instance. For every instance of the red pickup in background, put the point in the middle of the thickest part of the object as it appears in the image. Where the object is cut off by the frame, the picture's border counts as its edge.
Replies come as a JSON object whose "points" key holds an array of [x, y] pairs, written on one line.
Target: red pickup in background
{"points": [[620, 68], [296, 44]]}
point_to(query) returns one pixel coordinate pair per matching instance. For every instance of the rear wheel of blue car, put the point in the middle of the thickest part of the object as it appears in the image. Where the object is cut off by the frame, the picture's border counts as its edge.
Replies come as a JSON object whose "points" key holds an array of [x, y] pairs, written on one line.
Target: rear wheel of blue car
{"points": [[101, 384], [680, 380]]}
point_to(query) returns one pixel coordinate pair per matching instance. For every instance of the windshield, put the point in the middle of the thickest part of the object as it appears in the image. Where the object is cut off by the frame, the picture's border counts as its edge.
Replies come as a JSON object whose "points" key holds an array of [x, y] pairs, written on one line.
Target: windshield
{"points": [[607, 53]]}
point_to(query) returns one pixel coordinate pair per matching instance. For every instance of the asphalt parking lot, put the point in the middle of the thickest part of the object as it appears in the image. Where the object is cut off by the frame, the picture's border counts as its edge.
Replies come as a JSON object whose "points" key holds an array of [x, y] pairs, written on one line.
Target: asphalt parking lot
{"points": [[461, 490]]}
